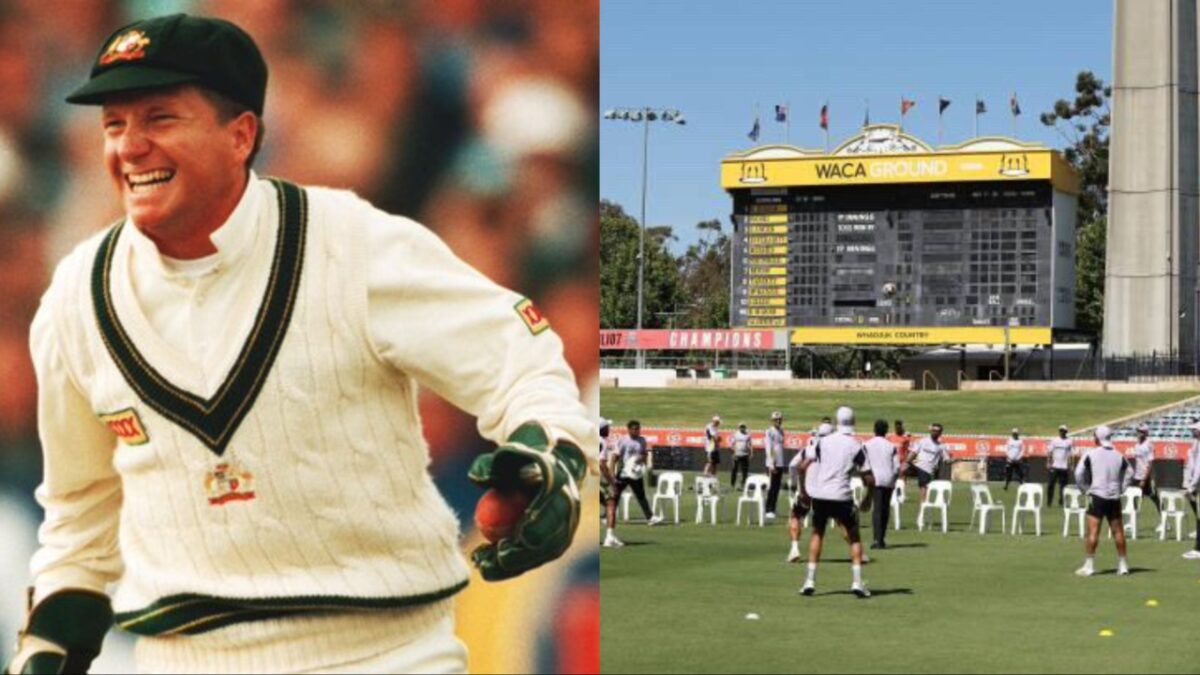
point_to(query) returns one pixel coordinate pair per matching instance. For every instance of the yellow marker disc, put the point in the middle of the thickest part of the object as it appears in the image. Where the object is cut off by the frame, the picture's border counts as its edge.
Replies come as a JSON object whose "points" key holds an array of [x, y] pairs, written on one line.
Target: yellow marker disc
{"points": [[1152, 603], [1106, 633]]}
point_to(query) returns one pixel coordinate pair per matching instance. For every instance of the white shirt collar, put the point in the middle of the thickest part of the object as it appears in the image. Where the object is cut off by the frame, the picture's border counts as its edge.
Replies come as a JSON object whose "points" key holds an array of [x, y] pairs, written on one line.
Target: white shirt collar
{"points": [[232, 239]]}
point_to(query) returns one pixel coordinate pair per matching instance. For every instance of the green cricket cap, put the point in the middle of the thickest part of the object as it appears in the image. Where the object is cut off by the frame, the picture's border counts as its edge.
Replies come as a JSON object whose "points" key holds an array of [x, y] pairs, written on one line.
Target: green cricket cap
{"points": [[178, 49]]}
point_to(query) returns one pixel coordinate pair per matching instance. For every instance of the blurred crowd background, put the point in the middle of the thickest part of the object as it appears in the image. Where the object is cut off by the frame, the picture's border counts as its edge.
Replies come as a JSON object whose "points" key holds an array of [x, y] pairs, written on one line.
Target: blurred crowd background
{"points": [[474, 117]]}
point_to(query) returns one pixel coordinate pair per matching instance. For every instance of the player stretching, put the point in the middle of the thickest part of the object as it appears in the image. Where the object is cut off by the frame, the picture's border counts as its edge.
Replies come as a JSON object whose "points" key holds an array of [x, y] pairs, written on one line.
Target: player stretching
{"points": [[1058, 464], [834, 459], [1103, 475], [712, 444], [608, 487], [928, 456]]}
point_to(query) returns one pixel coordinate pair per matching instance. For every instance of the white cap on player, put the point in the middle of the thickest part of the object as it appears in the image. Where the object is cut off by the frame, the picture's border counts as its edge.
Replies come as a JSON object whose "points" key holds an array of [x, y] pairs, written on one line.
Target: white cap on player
{"points": [[1104, 434]]}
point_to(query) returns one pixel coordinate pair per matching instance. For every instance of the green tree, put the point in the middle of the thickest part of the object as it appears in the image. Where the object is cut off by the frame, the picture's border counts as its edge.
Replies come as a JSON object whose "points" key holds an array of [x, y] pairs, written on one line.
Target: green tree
{"points": [[1084, 125], [619, 234], [704, 273]]}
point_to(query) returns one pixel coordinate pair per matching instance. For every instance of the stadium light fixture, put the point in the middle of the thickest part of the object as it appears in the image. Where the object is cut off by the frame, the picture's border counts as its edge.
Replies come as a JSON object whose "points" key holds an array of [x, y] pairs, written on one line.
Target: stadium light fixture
{"points": [[645, 116]]}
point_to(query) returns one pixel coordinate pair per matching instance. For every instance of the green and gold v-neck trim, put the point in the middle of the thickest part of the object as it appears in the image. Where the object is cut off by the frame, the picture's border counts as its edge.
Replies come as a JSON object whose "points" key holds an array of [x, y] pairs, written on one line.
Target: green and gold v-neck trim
{"points": [[213, 420]]}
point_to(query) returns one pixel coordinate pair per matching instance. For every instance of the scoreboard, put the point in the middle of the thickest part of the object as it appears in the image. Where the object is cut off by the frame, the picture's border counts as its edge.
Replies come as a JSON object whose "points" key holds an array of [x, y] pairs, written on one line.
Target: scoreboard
{"points": [[937, 252]]}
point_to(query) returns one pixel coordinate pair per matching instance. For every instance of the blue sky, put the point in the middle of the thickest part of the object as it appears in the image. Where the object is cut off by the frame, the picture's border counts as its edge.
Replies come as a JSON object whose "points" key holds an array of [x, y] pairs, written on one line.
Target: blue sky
{"points": [[714, 60]]}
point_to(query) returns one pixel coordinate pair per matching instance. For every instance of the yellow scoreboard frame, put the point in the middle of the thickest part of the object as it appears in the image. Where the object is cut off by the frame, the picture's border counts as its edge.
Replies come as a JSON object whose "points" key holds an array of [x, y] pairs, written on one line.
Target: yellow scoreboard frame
{"points": [[900, 159], [1028, 162]]}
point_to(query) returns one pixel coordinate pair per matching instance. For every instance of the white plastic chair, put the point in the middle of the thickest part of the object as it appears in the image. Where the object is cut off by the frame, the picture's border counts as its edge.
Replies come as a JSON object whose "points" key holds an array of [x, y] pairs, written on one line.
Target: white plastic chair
{"points": [[670, 487], [1131, 503], [708, 493], [756, 493], [1030, 497], [857, 489], [1073, 507], [1171, 502], [983, 505], [938, 499], [899, 496]]}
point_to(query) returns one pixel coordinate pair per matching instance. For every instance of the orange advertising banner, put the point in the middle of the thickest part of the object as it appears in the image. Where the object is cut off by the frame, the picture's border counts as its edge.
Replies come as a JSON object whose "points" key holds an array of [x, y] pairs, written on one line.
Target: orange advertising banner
{"points": [[961, 447]]}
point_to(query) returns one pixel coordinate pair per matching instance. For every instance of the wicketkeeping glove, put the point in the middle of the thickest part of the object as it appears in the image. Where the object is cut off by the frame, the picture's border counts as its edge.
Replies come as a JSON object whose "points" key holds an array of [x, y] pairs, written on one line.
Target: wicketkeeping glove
{"points": [[63, 633], [552, 476]]}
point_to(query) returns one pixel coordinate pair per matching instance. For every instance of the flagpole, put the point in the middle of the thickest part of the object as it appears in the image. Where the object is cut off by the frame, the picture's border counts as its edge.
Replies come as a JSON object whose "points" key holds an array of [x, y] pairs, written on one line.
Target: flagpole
{"points": [[1013, 112], [939, 120], [825, 127], [976, 115]]}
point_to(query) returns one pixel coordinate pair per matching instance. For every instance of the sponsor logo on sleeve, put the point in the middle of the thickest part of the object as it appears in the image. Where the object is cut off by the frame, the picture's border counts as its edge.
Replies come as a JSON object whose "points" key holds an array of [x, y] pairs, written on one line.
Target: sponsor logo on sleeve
{"points": [[534, 320], [126, 425]]}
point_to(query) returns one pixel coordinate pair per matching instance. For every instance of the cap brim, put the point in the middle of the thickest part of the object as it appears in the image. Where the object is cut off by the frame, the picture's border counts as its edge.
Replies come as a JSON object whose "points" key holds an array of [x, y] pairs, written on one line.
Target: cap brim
{"points": [[127, 78]]}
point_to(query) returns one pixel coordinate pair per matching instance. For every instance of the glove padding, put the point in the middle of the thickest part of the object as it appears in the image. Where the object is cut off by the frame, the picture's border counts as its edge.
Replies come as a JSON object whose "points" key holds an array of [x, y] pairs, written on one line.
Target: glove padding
{"points": [[552, 477], [63, 633]]}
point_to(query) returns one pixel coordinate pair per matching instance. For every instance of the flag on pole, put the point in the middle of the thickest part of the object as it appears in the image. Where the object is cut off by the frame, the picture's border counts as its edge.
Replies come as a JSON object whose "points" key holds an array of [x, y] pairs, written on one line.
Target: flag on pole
{"points": [[754, 131], [1013, 105], [781, 113], [980, 108], [943, 103], [905, 104], [825, 117], [867, 115]]}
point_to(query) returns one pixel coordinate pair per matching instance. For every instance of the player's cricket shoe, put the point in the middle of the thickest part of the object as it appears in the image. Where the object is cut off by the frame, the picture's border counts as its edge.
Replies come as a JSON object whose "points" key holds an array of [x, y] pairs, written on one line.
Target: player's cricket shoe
{"points": [[613, 542], [1123, 571], [794, 555], [860, 590], [809, 588], [655, 520], [1192, 555], [1084, 571]]}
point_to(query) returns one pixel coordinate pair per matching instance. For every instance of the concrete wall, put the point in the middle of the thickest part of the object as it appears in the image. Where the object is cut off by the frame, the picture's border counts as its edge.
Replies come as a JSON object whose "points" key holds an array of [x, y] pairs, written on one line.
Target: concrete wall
{"points": [[1152, 227], [1084, 385], [634, 378], [796, 385]]}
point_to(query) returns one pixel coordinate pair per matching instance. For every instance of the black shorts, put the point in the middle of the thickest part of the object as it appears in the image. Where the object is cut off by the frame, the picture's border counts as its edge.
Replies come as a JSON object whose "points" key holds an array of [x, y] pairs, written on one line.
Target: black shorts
{"points": [[924, 478], [799, 510], [845, 513], [1106, 509], [714, 457]]}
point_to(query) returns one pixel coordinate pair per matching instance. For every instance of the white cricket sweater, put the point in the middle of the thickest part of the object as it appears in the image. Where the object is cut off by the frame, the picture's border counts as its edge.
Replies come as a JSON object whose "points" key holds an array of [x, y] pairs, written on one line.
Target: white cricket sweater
{"points": [[324, 499]]}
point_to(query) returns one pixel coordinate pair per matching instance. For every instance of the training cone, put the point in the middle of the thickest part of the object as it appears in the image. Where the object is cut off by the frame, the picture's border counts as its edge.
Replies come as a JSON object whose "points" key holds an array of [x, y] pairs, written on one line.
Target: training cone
{"points": [[1106, 633], [1152, 603]]}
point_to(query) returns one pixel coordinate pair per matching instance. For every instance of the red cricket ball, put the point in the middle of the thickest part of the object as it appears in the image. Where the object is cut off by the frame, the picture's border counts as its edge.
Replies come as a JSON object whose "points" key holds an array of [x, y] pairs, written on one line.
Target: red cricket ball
{"points": [[498, 511]]}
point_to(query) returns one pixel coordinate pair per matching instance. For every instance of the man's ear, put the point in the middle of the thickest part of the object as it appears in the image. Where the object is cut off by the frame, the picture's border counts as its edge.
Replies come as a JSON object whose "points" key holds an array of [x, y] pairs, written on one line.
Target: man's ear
{"points": [[246, 130]]}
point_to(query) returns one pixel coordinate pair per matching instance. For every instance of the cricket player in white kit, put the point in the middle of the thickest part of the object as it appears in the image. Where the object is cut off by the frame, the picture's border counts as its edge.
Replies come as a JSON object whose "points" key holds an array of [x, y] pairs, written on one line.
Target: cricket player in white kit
{"points": [[927, 457], [1014, 455], [1191, 485], [801, 507], [1058, 464], [884, 459], [227, 400], [1103, 474], [827, 473]]}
